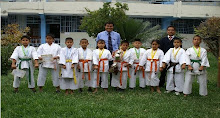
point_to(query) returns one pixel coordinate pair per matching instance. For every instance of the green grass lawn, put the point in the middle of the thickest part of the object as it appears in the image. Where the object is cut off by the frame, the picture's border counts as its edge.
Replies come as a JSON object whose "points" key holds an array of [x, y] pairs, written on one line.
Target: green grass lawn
{"points": [[130, 103]]}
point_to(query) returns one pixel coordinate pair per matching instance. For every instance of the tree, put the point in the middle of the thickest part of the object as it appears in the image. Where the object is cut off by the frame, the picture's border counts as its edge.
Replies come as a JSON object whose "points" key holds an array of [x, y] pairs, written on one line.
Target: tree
{"points": [[94, 22], [210, 32], [11, 35], [133, 28]]}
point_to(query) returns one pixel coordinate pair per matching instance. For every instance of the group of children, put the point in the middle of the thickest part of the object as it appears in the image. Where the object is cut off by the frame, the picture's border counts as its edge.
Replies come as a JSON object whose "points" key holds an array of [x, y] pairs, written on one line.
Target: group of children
{"points": [[73, 68]]}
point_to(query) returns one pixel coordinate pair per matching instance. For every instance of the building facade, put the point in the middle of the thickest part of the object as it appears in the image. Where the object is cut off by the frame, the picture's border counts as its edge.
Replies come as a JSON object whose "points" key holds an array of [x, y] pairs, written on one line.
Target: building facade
{"points": [[62, 17]]}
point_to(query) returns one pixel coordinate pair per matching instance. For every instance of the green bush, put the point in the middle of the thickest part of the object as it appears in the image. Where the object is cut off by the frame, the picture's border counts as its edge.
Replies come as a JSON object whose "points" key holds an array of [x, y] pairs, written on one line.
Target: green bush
{"points": [[6, 52]]}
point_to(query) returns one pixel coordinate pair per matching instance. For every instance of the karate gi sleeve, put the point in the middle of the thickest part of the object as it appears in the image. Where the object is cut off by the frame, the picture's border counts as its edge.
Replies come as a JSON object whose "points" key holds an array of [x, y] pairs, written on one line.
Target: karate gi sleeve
{"points": [[40, 50], [182, 59], [167, 57], [204, 59], [188, 56], [75, 58], [143, 60], [62, 57], [34, 53], [131, 59], [15, 54], [161, 58], [95, 58]]}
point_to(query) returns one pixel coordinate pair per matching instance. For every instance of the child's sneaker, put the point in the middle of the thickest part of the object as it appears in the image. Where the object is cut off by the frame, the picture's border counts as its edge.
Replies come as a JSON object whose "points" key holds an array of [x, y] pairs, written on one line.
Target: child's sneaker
{"points": [[167, 91], [177, 93]]}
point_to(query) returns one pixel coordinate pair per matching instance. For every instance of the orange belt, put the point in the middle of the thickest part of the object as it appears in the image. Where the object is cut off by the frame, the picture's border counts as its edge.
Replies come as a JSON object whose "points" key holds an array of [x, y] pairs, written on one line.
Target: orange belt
{"points": [[103, 69], [122, 63], [83, 63], [151, 66], [137, 68]]}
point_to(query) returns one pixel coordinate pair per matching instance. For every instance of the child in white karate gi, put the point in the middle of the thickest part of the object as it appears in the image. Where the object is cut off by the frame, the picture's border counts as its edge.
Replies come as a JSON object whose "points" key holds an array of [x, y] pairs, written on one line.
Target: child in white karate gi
{"points": [[68, 61], [101, 59], [176, 60], [120, 79], [137, 53], [22, 59], [197, 62], [85, 65], [152, 59], [49, 48]]}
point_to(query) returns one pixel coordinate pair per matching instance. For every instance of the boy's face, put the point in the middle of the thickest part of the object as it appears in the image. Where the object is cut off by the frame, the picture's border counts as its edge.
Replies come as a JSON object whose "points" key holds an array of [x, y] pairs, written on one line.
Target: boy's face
{"points": [[101, 45], [124, 46], [109, 27], [171, 31], [84, 44], [155, 45], [25, 41], [137, 44], [177, 43], [196, 41], [49, 39], [69, 43]]}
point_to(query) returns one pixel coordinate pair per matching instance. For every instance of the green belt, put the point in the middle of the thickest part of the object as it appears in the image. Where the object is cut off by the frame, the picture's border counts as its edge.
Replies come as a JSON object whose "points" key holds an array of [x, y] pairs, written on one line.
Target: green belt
{"points": [[195, 61], [26, 59]]}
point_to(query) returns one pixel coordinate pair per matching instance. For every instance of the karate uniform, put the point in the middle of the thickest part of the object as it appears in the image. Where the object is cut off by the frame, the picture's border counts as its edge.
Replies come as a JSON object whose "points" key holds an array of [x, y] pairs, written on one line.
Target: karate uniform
{"points": [[196, 62], [120, 80], [135, 67], [20, 54], [152, 62], [85, 63], [69, 56], [175, 81], [105, 58], [45, 49]]}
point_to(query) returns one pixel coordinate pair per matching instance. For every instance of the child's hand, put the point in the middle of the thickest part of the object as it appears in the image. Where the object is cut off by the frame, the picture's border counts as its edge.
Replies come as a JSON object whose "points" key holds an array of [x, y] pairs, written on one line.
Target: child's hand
{"points": [[72, 66], [141, 68], [57, 57], [96, 67], [36, 65], [13, 66], [164, 65], [190, 67], [78, 67], [201, 68], [161, 69], [183, 66], [40, 58], [64, 66], [113, 53]]}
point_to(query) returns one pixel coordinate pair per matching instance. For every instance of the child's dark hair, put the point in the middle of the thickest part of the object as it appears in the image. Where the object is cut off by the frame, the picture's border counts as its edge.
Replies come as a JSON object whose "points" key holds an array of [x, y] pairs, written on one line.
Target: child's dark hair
{"points": [[51, 35], [197, 36], [27, 37], [139, 40], [177, 39], [172, 27], [109, 22], [84, 39], [155, 40], [69, 38], [124, 41], [101, 40]]}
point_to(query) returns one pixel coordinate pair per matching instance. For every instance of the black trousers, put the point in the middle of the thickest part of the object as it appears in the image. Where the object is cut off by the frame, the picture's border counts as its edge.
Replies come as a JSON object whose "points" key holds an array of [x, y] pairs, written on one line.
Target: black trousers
{"points": [[163, 78]]}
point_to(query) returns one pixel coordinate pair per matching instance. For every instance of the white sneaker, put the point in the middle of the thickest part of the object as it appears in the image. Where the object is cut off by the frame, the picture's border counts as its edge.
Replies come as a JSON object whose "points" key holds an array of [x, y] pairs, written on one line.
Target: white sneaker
{"points": [[177, 93], [167, 91]]}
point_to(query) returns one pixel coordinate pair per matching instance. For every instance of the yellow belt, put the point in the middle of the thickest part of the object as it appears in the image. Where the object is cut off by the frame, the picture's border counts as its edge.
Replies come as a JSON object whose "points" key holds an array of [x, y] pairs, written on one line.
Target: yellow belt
{"points": [[74, 73]]}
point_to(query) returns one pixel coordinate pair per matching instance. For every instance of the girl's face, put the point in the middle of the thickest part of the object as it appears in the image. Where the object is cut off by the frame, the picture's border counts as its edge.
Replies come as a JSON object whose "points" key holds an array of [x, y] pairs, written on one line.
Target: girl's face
{"points": [[177, 43], [101, 45], [155, 45], [124, 46], [25, 42], [49, 40]]}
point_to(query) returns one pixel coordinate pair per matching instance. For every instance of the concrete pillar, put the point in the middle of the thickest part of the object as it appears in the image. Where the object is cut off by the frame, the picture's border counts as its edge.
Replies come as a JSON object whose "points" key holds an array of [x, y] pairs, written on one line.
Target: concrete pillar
{"points": [[43, 28]]}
